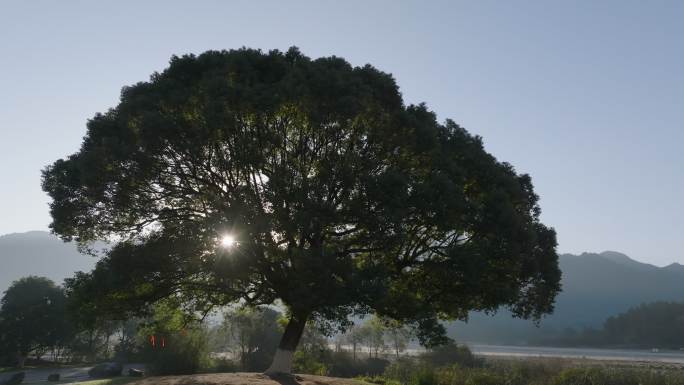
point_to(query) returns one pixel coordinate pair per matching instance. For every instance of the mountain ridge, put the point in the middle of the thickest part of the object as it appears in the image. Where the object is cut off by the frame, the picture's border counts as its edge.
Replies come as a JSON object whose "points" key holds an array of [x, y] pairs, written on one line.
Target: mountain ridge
{"points": [[39, 253], [595, 286]]}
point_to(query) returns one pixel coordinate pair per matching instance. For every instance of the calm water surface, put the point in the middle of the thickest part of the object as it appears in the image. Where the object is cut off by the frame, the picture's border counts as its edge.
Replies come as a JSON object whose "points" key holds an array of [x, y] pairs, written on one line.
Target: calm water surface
{"points": [[589, 353]]}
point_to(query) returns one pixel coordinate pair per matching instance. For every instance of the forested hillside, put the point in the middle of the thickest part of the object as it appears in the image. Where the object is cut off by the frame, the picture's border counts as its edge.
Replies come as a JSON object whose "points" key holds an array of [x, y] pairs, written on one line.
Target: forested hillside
{"points": [[39, 253], [595, 287]]}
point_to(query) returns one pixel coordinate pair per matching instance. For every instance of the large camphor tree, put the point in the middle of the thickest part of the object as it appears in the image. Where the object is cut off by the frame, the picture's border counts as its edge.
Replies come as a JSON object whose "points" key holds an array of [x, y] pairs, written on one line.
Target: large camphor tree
{"points": [[259, 178]]}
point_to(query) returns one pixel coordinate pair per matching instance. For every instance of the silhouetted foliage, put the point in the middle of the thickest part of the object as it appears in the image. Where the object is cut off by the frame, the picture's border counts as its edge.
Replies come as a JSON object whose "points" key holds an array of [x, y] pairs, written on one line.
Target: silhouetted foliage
{"points": [[342, 199], [252, 335], [173, 345], [354, 337], [450, 354], [373, 336], [33, 318], [99, 333]]}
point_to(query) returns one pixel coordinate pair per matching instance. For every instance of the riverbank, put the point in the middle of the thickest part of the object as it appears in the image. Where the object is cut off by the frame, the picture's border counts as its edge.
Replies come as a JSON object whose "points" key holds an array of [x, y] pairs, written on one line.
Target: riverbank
{"points": [[568, 363], [511, 370]]}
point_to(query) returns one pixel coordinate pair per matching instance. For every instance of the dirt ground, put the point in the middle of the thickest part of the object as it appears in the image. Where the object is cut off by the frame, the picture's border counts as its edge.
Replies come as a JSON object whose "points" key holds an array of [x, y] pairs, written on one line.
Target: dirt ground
{"points": [[243, 379]]}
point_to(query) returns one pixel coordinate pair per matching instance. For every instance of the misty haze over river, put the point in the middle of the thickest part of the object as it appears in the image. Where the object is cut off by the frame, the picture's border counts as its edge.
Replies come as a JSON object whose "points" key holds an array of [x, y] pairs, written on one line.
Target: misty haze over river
{"points": [[670, 356]]}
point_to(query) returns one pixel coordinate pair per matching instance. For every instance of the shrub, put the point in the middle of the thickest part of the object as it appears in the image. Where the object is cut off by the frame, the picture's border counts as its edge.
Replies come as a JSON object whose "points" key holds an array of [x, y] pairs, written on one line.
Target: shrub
{"points": [[257, 361], [378, 380], [617, 376], [183, 353], [485, 378], [306, 362], [424, 376], [374, 366], [224, 365], [453, 375], [337, 364], [450, 354], [458, 375], [401, 370], [343, 365], [522, 373]]}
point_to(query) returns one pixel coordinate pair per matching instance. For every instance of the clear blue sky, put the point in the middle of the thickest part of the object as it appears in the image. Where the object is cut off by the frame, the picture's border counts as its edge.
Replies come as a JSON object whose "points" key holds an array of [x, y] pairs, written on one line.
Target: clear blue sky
{"points": [[586, 96]]}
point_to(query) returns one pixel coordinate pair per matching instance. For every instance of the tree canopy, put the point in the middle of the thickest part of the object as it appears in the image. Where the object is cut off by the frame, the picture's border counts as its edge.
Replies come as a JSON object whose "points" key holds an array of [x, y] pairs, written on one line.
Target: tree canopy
{"points": [[341, 199], [33, 318]]}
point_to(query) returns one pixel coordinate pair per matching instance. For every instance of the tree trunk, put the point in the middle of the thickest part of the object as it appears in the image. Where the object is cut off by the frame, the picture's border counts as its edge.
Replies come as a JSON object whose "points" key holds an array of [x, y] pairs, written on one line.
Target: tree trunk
{"points": [[282, 361], [21, 359], [106, 353]]}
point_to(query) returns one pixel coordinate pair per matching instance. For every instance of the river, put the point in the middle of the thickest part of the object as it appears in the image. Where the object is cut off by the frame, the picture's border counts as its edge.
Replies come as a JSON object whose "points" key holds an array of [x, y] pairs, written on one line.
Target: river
{"points": [[675, 357]]}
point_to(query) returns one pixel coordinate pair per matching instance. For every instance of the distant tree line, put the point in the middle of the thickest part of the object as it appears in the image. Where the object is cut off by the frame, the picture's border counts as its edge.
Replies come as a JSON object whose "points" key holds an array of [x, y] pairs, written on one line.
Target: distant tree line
{"points": [[650, 325], [41, 321], [249, 337], [38, 321]]}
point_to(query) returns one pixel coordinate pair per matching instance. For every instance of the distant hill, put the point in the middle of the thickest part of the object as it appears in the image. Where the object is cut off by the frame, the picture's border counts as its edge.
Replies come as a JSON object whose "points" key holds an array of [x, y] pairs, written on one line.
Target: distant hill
{"points": [[595, 287], [39, 253]]}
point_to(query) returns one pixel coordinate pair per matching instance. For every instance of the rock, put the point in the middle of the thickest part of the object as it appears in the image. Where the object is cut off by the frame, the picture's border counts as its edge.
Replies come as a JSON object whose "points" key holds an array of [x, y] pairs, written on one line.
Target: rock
{"points": [[135, 372], [16, 379], [54, 377], [106, 369]]}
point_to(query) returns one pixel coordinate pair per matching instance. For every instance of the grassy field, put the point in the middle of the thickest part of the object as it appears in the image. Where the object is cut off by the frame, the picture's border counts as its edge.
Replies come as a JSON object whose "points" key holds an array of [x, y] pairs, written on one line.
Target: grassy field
{"points": [[532, 372], [497, 371]]}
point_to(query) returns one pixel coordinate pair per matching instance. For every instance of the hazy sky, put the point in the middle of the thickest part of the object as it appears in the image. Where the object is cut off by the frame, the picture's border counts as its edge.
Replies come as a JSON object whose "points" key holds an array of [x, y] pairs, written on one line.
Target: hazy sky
{"points": [[586, 96]]}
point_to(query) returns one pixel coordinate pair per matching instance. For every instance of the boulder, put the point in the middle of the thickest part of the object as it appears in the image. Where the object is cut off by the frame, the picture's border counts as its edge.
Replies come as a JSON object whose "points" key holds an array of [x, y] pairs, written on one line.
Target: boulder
{"points": [[106, 369], [16, 379], [54, 377], [135, 372]]}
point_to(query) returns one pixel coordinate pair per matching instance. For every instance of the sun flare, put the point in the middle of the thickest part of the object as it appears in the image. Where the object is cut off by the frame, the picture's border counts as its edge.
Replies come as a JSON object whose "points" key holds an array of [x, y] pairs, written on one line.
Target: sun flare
{"points": [[228, 241]]}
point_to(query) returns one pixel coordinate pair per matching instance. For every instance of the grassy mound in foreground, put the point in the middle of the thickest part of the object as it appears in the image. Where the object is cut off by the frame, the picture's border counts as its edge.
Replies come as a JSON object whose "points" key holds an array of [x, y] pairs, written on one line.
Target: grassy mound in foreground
{"points": [[243, 379]]}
